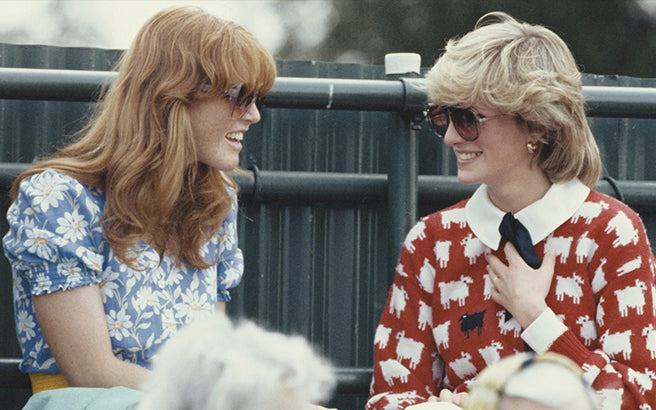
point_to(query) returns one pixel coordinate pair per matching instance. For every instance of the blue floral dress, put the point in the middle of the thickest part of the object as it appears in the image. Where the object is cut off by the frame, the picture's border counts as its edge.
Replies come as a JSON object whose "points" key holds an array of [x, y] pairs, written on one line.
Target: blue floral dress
{"points": [[55, 242]]}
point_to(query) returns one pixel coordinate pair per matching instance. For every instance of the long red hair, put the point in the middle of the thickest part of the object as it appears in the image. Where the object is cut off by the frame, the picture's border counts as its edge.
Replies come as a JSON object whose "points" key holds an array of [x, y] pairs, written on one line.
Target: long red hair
{"points": [[139, 147]]}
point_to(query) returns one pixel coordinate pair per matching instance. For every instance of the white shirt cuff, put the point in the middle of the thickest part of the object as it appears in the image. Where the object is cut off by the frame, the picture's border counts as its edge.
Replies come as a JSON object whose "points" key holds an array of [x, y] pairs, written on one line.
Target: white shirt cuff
{"points": [[544, 330]]}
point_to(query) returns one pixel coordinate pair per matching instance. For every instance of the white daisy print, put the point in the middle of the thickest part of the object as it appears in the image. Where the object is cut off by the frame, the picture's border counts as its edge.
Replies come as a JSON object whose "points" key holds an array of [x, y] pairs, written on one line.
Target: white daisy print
{"points": [[169, 324], [147, 298], [48, 191], [192, 304], [43, 283], [41, 243], [93, 260], [70, 269], [72, 226], [109, 285], [26, 324], [119, 324]]}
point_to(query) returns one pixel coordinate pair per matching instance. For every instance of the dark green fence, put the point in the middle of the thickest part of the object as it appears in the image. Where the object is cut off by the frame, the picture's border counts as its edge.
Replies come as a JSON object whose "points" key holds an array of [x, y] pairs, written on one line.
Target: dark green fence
{"points": [[341, 167]]}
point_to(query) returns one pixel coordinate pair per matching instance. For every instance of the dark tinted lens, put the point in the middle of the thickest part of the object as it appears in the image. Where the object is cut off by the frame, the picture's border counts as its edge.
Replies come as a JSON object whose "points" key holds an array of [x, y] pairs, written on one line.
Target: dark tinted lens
{"points": [[243, 104], [465, 122], [438, 119]]}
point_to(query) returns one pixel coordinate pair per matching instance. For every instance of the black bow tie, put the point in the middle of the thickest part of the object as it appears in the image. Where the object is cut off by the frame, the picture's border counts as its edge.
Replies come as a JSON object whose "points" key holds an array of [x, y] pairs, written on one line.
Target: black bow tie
{"points": [[513, 231]]}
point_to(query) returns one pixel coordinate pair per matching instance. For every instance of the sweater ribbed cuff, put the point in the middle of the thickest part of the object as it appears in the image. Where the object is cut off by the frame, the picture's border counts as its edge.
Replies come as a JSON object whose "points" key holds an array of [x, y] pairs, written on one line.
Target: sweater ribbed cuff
{"points": [[544, 331]]}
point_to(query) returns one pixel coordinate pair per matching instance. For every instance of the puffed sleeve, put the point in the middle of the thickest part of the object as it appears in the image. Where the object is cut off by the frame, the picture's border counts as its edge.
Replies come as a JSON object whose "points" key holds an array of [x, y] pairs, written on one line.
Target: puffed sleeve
{"points": [[230, 267], [55, 238]]}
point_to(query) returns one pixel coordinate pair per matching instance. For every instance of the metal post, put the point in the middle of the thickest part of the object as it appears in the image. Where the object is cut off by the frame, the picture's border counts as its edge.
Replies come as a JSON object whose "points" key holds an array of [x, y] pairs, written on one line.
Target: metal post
{"points": [[402, 190]]}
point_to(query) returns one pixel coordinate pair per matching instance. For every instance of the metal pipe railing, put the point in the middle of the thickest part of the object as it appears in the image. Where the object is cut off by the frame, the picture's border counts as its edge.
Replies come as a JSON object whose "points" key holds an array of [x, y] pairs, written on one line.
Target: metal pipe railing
{"points": [[406, 94], [344, 189], [402, 95]]}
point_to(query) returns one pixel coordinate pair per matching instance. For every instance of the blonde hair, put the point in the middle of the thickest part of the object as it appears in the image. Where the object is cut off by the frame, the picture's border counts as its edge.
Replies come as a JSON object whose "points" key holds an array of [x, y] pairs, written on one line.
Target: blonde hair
{"points": [[527, 71], [138, 146], [546, 379]]}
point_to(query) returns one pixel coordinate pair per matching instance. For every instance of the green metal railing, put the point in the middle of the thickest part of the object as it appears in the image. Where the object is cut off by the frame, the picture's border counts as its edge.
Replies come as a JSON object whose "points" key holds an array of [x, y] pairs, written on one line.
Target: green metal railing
{"points": [[402, 95], [401, 188]]}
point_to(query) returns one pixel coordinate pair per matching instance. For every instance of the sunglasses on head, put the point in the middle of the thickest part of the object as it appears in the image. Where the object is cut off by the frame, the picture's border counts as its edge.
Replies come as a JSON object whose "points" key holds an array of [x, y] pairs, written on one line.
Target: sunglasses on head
{"points": [[241, 103], [465, 120]]}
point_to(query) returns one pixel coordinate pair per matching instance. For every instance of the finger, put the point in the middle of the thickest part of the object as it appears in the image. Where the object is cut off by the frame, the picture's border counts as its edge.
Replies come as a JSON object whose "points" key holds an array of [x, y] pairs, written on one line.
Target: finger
{"points": [[432, 399], [495, 264], [445, 395], [548, 263], [511, 253], [460, 398], [493, 275]]}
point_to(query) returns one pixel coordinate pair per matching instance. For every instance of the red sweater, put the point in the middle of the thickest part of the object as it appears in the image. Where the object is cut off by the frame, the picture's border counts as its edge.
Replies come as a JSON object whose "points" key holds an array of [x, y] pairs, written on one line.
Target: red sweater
{"points": [[440, 327]]}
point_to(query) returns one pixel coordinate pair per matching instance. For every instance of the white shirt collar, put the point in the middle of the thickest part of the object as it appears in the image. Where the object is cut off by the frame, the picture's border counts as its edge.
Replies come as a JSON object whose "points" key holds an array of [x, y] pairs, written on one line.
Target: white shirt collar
{"points": [[540, 218]]}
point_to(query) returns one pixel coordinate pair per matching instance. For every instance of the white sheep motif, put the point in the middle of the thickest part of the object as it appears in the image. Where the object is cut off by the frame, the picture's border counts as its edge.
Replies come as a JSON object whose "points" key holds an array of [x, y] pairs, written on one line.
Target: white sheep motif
{"points": [[589, 211], [408, 348], [650, 341], [425, 315], [397, 401], [631, 297], [454, 216], [570, 286], [588, 329], [392, 369], [599, 279], [417, 232], [398, 300], [610, 398], [427, 276], [441, 250], [623, 228], [560, 246], [463, 366], [645, 381], [399, 270], [630, 266], [474, 248], [441, 334], [457, 290], [381, 338], [487, 286], [600, 312], [585, 248], [506, 326], [490, 353], [615, 343]]}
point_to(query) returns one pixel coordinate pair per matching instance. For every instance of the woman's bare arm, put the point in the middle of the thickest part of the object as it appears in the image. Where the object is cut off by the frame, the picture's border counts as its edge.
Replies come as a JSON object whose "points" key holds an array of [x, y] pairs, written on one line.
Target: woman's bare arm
{"points": [[74, 326]]}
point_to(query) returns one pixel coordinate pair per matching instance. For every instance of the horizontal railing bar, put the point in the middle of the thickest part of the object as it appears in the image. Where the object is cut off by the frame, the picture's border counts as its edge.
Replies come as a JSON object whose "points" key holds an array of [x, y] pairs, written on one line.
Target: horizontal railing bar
{"points": [[353, 380], [349, 188], [406, 94], [11, 376]]}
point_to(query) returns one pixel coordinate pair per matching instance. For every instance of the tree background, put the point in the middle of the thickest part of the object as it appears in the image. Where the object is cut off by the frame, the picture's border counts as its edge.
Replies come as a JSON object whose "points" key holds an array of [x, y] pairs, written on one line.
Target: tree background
{"points": [[605, 36]]}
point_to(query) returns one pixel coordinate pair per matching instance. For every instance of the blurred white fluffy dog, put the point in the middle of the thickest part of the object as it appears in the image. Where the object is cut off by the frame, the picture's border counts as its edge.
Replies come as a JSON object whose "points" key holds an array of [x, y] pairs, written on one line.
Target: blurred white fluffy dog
{"points": [[215, 364]]}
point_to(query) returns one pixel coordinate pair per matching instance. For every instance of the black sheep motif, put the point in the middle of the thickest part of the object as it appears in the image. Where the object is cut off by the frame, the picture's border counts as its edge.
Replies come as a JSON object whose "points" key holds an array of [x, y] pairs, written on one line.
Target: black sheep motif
{"points": [[470, 322]]}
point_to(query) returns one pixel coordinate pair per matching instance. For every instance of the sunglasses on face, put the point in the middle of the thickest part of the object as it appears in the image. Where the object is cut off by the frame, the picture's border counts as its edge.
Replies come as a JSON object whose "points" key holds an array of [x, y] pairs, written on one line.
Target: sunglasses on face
{"points": [[241, 103], [465, 120]]}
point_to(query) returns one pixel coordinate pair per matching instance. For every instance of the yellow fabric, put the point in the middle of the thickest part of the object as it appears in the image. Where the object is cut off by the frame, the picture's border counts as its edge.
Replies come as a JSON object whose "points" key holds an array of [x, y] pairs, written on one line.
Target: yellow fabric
{"points": [[42, 382]]}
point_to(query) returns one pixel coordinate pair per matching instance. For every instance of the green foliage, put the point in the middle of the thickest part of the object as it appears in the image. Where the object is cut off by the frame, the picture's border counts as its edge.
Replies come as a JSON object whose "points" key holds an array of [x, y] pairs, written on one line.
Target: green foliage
{"points": [[606, 36]]}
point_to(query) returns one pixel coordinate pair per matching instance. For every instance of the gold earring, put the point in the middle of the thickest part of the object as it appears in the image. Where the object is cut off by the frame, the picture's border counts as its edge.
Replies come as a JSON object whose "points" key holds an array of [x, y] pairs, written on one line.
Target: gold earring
{"points": [[531, 147]]}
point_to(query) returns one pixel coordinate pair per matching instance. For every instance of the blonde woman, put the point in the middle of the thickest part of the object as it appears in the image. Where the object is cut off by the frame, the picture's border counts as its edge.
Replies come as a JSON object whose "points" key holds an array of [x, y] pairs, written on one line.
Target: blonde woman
{"points": [[128, 234], [536, 260], [532, 382]]}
